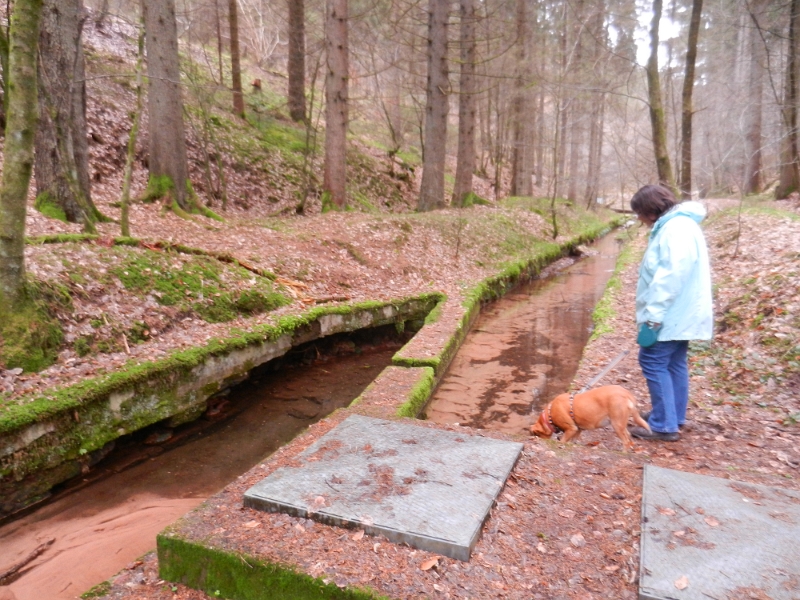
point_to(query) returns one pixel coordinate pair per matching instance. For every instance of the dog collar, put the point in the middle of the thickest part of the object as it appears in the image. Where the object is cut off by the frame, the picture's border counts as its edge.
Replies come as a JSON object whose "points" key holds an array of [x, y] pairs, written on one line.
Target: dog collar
{"points": [[553, 427], [571, 413]]}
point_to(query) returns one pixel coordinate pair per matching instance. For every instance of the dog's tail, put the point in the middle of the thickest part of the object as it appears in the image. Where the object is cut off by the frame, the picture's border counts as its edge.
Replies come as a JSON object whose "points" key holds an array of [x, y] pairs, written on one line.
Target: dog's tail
{"points": [[634, 413]]}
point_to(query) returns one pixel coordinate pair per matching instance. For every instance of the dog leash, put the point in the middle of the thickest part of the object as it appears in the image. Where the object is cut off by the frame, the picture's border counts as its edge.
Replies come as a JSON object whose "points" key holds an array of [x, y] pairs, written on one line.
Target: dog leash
{"points": [[600, 375]]}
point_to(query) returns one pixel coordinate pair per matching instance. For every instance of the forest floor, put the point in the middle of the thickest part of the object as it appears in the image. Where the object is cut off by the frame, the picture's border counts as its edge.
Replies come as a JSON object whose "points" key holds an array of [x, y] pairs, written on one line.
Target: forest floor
{"points": [[567, 523]]}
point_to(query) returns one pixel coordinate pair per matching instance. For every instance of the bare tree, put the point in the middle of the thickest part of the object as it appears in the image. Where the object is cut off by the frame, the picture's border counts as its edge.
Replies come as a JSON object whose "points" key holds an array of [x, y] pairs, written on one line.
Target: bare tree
{"points": [[657, 119], [336, 98], [297, 60], [62, 154], [466, 106], [686, 104], [790, 150], [236, 65], [754, 116], [21, 117], [167, 157], [431, 193], [520, 176]]}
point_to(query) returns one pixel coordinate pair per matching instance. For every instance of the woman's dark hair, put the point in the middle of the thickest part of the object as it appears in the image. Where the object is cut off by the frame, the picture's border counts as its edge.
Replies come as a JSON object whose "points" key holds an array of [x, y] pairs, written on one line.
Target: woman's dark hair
{"points": [[653, 201]]}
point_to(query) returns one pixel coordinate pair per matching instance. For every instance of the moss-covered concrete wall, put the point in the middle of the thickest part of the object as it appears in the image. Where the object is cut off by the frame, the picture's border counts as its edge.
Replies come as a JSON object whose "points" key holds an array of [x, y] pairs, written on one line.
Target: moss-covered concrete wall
{"points": [[52, 438]]}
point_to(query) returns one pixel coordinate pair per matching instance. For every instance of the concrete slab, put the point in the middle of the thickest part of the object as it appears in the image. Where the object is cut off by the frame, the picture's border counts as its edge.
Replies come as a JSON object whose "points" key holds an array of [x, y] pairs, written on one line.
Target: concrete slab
{"points": [[717, 538], [429, 488]]}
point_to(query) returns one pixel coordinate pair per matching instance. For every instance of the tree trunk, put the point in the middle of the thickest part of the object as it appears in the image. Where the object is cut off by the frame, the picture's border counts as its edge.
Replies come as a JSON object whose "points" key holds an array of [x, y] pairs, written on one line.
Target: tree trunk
{"points": [[595, 151], [790, 152], [236, 67], [578, 78], [4, 76], [167, 157], [686, 104], [61, 156], [297, 60], [431, 193], [518, 107], [754, 116], [132, 137], [465, 165], [657, 120], [219, 42], [336, 97], [18, 151]]}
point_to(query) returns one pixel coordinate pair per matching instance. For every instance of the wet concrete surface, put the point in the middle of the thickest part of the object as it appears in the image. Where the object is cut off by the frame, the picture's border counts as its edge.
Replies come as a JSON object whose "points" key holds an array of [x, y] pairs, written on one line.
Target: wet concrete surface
{"points": [[104, 524], [524, 348]]}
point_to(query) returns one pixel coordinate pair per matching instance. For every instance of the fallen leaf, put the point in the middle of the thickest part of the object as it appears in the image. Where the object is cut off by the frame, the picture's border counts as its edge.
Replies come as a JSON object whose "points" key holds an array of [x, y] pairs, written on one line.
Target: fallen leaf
{"points": [[680, 533], [430, 563], [682, 583], [577, 540], [666, 511], [251, 524], [357, 536], [712, 522]]}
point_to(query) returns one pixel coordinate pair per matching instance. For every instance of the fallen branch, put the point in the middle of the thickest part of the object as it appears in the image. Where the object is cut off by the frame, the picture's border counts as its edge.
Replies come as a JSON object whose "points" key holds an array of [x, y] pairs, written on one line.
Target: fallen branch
{"points": [[35, 553]]}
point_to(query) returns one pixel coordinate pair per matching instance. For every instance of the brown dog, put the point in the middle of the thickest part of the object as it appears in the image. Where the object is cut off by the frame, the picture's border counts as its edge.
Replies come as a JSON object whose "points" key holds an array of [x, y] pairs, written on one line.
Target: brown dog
{"points": [[590, 410]]}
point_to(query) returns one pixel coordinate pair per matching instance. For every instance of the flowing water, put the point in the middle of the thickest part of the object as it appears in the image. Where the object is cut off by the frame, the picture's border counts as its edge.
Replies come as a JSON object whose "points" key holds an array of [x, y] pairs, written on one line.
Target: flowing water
{"points": [[525, 348]]}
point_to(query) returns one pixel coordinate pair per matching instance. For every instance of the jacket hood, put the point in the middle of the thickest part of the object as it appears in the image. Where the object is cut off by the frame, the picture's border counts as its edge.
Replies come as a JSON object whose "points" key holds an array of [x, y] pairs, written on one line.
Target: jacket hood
{"points": [[691, 208]]}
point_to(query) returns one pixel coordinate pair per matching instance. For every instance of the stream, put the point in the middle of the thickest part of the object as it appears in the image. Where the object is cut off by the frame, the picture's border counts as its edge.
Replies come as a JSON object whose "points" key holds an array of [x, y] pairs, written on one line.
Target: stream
{"points": [[531, 339], [524, 349]]}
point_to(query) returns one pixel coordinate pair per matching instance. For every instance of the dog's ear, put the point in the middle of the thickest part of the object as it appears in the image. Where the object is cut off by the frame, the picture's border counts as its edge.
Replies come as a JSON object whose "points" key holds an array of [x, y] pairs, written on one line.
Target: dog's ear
{"points": [[540, 427]]}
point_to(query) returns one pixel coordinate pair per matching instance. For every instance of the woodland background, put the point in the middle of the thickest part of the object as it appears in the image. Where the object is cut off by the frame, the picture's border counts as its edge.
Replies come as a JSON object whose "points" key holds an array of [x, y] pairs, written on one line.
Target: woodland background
{"points": [[460, 102]]}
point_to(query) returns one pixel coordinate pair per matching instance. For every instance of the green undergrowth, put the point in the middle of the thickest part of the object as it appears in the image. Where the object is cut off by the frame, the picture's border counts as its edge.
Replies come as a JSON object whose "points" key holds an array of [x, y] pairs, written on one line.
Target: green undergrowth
{"points": [[31, 336], [222, 574], [194, 284], [604, 310], [178, 281]]}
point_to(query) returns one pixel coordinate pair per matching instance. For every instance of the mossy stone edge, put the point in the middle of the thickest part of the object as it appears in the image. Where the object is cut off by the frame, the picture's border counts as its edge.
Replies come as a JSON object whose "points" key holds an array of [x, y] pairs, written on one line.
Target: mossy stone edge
{"points": [[238, 576], [51, 438]]}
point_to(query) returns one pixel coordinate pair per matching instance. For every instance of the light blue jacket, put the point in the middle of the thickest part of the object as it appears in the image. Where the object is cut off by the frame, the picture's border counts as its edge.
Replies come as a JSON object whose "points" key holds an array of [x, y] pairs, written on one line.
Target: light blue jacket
{"points": [[674, 286]]}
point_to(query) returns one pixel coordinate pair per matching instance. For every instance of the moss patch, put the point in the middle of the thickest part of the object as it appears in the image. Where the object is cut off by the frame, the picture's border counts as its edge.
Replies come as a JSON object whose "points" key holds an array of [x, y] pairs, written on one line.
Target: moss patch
{"points": [[30, 336], [235, 576], [47, 205], [419, 394]]}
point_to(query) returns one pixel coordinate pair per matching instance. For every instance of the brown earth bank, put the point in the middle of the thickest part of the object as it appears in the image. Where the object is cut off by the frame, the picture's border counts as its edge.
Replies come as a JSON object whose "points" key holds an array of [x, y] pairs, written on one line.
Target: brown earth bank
{"points": [[567, 523]]}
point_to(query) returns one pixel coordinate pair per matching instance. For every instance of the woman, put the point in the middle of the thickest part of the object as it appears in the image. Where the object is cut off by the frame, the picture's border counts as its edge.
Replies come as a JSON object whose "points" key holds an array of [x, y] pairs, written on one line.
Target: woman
{"points": [[673, 304]]}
